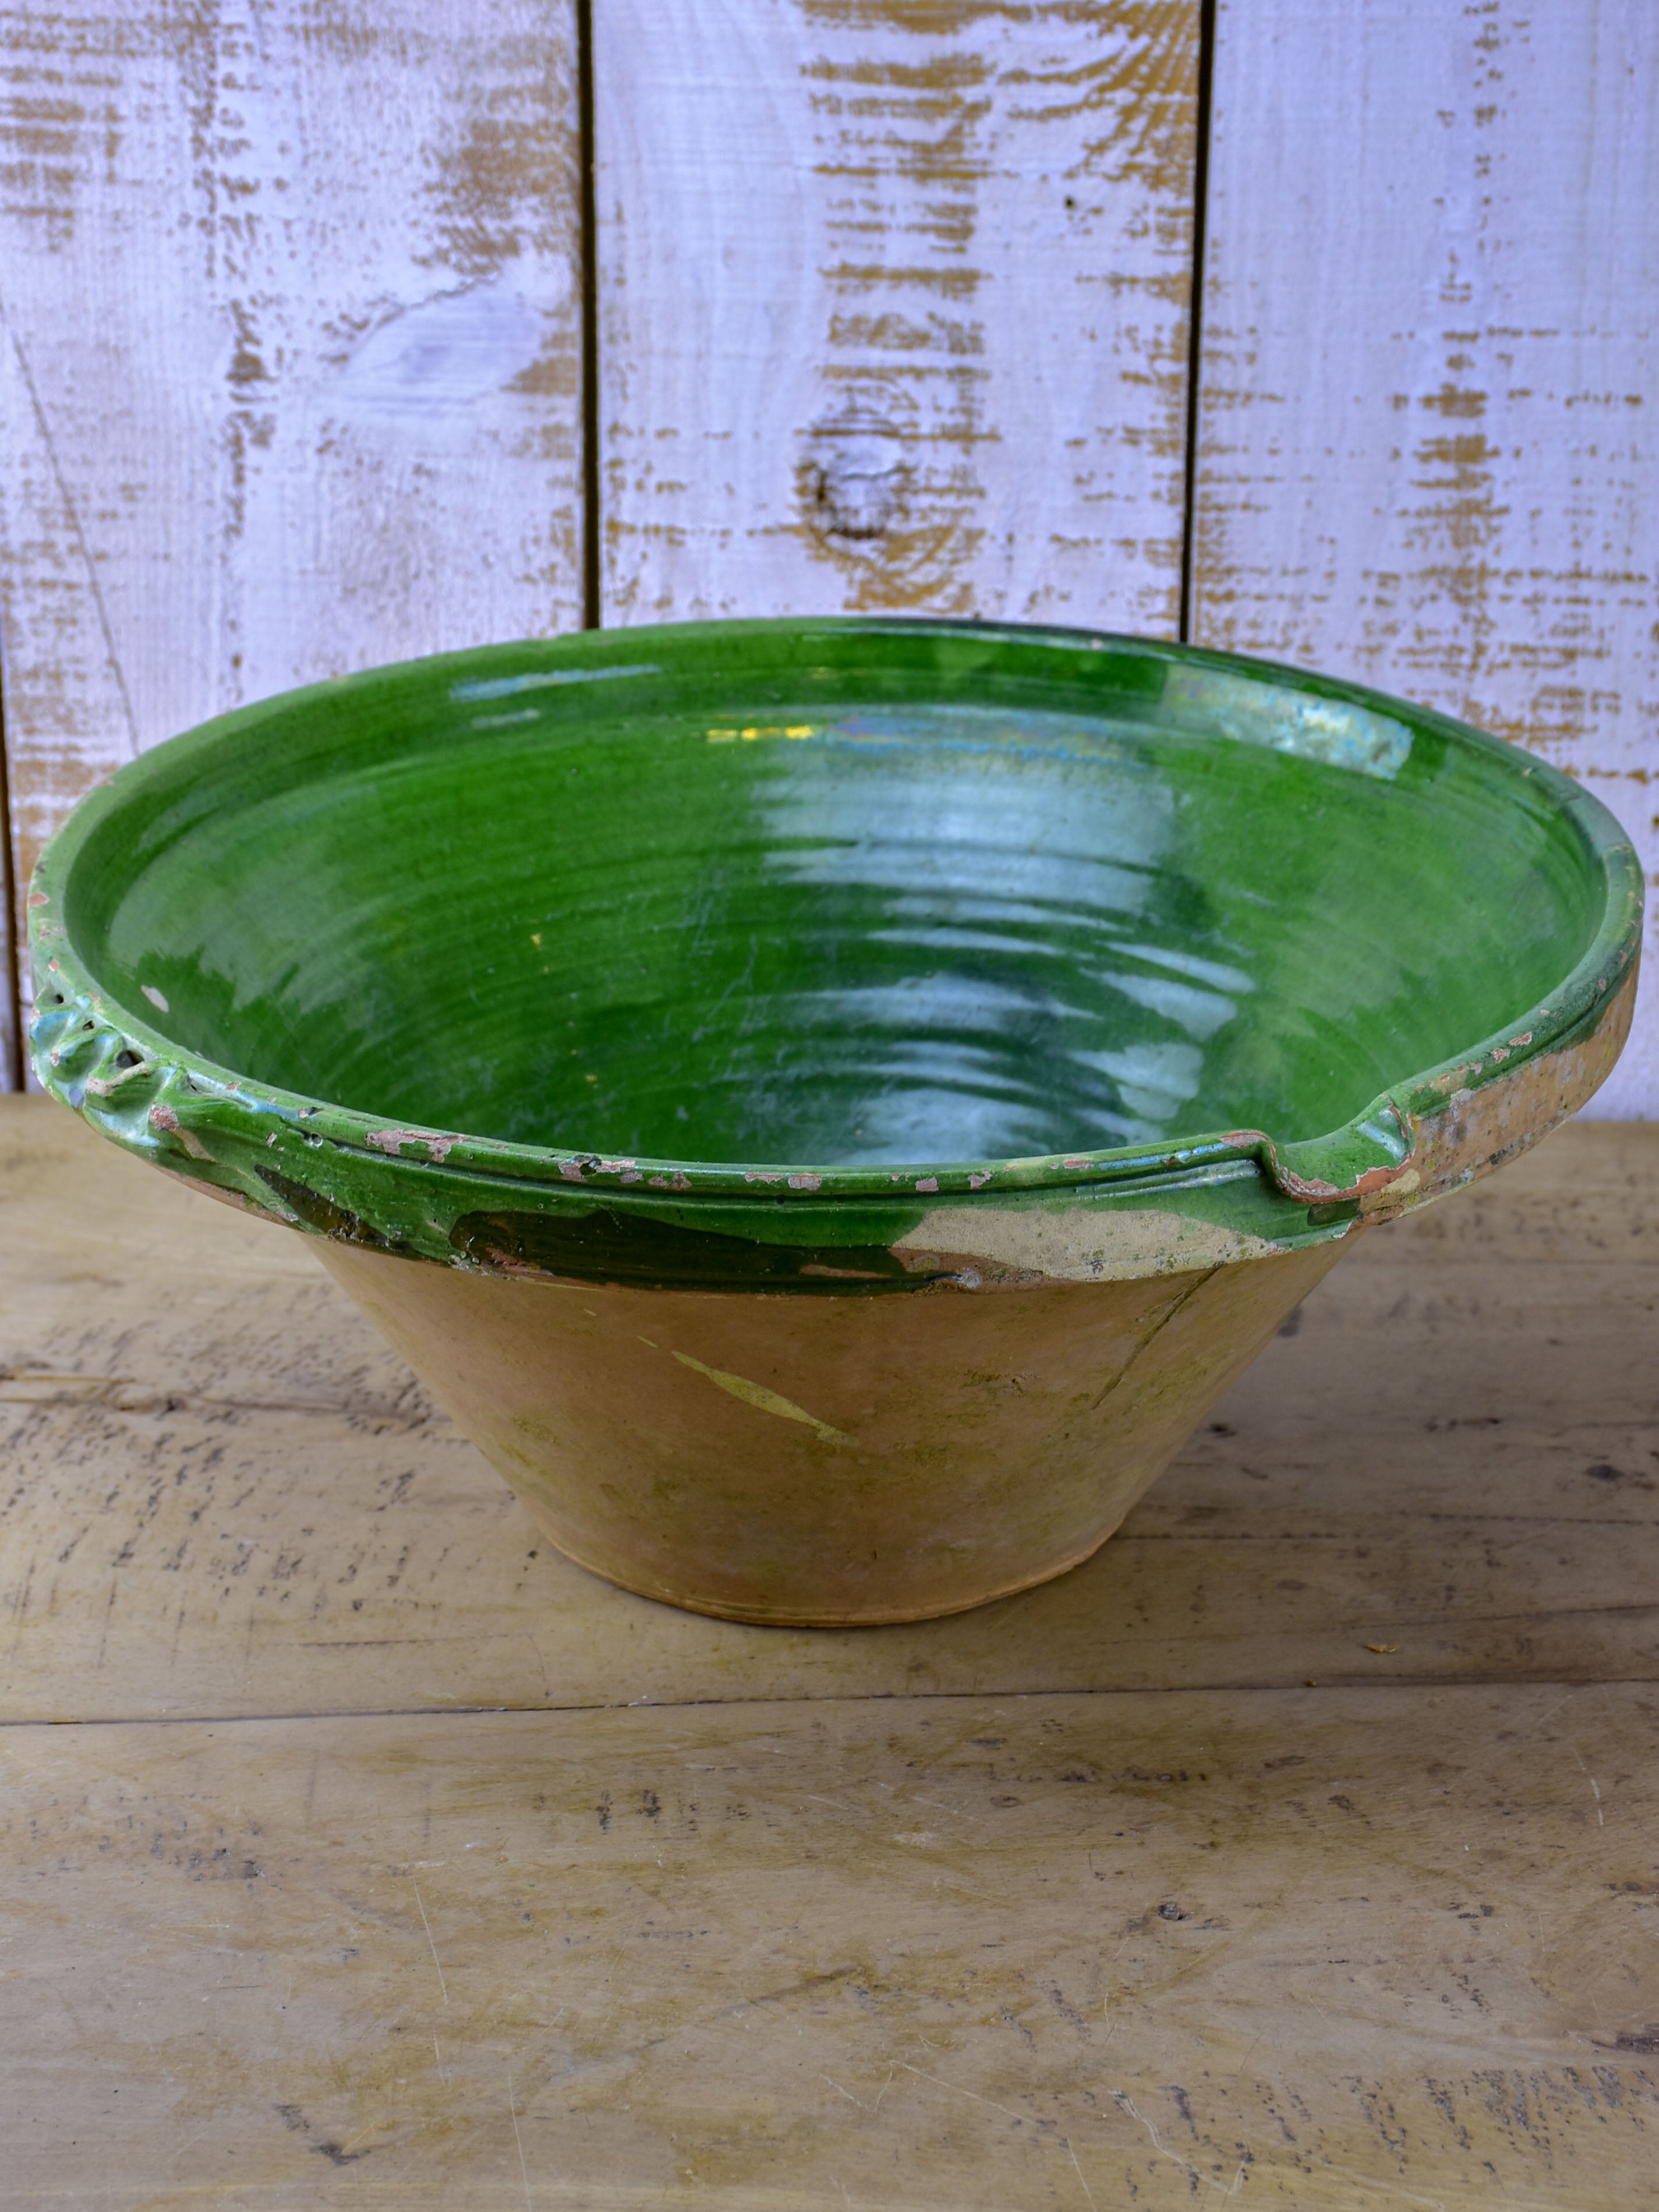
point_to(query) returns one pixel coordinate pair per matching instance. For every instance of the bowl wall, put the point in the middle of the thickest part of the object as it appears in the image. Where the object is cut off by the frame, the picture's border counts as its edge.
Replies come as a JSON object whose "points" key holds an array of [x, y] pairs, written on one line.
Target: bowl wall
{"points": [[829, 1461], [866, 1088]]}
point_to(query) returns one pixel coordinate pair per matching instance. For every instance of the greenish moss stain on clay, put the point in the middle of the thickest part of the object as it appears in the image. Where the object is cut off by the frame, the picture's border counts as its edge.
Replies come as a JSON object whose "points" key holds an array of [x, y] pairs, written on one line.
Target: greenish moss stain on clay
{"points": [[822, 931]]}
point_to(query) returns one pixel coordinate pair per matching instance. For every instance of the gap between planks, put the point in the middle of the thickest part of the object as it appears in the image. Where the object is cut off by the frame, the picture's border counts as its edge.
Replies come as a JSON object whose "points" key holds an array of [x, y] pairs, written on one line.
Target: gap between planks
{"points": [[1201, 121], [1344, 1685]]}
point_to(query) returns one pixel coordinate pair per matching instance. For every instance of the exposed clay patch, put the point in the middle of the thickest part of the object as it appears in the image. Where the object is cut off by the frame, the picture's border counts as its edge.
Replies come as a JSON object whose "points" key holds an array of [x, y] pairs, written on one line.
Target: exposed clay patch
{"points": [[162, 1118], [392, 1142], [1081, 1245], [1482, 1129]]}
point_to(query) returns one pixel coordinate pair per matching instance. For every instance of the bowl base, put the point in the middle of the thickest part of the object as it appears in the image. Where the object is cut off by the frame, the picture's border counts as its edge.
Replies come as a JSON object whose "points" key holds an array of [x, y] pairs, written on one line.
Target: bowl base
{"points": [[889, 1616]]}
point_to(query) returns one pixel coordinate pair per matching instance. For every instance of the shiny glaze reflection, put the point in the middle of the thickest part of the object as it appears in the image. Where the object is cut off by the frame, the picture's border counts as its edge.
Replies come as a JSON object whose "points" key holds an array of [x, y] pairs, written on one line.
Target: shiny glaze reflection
{"points": [[869, 935], [978, 900]]}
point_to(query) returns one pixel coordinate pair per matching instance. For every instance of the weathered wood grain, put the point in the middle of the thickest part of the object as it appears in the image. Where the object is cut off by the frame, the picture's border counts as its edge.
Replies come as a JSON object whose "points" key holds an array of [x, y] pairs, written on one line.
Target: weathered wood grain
{"points": [[1428, 455], [893, 301], [222, 1495], [289, 357], [1336, 1949]]}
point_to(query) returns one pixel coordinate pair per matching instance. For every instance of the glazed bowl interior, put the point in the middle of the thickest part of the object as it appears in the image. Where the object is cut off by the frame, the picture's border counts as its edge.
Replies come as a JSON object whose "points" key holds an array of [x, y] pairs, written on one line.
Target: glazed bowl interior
{"points": [[855, 894]]}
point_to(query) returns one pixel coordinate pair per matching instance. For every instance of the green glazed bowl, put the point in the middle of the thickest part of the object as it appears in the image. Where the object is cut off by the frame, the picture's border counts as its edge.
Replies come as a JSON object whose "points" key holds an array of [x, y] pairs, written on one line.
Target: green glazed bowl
{"points": [[829, 1105]]}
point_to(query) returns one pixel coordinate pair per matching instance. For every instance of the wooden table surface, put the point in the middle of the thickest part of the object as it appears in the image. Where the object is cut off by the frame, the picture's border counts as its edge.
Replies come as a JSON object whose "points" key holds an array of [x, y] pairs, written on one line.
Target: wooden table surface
{"points": [[1300, 1849]]}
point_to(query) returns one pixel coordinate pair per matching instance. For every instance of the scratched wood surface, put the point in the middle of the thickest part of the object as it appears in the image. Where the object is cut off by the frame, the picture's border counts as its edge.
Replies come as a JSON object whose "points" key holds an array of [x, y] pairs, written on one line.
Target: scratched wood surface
{"points": [[290, 364], [1309, 1949], [1299, 1849], [223, 1496], [1428, 452], [893, 301]]}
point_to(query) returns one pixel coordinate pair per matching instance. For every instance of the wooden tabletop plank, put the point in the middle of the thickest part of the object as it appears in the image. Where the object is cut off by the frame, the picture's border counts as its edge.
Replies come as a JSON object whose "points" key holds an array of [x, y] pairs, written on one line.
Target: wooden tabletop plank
{"points": [[224, 1496], [1342, 1948]]}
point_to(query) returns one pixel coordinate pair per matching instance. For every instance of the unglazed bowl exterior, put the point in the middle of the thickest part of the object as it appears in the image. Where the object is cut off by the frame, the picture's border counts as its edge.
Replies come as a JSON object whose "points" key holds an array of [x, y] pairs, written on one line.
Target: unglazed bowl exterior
{"points": [[829, 1106]]}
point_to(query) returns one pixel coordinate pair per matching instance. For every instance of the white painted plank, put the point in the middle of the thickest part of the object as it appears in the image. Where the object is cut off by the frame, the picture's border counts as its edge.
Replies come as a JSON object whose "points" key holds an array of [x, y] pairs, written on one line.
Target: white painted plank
{"points": [[1430, 457], [893, 306], [290, 363]]}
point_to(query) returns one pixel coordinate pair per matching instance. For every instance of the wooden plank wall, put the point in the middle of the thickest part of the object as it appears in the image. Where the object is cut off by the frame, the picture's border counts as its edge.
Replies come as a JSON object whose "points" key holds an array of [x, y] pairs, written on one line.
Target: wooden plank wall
{"points": [[1428, 405], [893, 307], [893, 301], [290, 375]]}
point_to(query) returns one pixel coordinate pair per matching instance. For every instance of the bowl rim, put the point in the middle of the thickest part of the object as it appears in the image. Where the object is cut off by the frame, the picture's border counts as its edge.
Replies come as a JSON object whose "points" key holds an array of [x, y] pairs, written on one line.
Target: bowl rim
{"points": [[1369, 1147]]}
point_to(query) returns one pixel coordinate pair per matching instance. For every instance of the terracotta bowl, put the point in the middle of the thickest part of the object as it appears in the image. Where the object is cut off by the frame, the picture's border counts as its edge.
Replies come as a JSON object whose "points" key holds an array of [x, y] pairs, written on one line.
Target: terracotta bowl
{"points": [[829, 1105]]}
